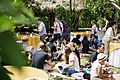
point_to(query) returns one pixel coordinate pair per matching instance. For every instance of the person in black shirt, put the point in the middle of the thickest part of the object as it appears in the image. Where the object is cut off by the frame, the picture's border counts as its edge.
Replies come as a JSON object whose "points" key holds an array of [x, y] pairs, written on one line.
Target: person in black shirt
{"points": [[41, 57], [85, 44], [100, 49], [52, 46], [76, 40]]}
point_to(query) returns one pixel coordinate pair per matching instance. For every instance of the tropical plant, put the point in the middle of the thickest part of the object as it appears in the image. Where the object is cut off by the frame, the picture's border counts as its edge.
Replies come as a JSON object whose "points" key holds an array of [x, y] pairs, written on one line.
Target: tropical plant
{"points": [[97, 10], [12, 12]]}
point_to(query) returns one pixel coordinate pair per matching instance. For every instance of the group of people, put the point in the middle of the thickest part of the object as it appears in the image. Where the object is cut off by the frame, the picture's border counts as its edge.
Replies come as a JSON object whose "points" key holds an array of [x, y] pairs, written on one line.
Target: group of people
{"points": [[106, 34], [60, 29], [68, 53]]}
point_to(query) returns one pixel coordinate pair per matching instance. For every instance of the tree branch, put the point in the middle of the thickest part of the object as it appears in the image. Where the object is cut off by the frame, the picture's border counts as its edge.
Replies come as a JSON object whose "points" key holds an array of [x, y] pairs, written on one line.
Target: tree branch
{"points": [[113, 3]]}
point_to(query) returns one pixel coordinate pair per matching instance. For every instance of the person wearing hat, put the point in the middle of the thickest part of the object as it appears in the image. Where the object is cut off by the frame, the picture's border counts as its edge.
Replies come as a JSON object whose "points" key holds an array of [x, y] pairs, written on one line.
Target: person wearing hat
{"points": [[98, 69]]}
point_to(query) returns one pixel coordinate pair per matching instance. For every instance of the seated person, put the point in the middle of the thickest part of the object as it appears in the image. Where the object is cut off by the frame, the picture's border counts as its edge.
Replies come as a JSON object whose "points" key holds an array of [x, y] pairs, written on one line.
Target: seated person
{"points": [[41, 57], [85, 44], [73, 61], [70, 62], [52, 46], [98, 69], [96, 41], [100, 49], [76, 40]]}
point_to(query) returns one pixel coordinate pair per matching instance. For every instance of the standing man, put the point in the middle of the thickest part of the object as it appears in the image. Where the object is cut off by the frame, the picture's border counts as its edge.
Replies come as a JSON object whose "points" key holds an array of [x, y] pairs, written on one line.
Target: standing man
{"points": [[58, 29], [41, 29]]}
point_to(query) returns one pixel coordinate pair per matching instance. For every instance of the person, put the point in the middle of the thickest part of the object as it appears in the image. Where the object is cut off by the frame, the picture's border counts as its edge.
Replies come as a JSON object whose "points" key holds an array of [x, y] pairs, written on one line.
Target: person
{"points": [[66, 30], [72, 60], [41, 57], [85, 44], [64, 43], [96, 41], [109, 35], [100, 32], [94, 28], [99, 70], [41, 30], [100, 49], [58, 29], [52, 46], [76, 40], [106, 24]]}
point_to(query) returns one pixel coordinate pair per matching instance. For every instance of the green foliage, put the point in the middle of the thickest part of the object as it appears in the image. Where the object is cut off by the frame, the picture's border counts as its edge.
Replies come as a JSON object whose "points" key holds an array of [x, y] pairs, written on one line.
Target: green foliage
{"points": [[10, 51], [97, 10], [3, 72], [12, 13]]}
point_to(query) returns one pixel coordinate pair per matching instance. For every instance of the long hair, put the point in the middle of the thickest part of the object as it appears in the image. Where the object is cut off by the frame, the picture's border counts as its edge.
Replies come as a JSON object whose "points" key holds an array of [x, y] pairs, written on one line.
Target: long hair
{"points": [[67, 53]]}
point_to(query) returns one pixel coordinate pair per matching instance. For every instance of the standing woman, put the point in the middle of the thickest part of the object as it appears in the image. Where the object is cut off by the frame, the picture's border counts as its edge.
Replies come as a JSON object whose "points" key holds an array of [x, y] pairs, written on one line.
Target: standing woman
{"points": [[94, 28], [109, 35]]}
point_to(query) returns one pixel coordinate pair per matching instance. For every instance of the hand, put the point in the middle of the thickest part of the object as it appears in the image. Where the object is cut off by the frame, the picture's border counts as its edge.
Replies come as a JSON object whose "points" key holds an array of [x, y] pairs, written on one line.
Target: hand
{"points": [[116, 37], [61, 33]]}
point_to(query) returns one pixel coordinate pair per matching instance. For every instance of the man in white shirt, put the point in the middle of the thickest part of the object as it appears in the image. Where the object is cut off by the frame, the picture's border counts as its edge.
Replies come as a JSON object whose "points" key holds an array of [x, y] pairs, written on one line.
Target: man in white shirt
{"points": [[41, 30], [58, 29]]}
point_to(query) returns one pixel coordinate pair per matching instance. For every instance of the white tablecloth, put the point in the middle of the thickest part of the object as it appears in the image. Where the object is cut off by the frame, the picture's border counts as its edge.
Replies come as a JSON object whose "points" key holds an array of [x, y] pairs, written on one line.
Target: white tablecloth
{"points": [[114, 58]]}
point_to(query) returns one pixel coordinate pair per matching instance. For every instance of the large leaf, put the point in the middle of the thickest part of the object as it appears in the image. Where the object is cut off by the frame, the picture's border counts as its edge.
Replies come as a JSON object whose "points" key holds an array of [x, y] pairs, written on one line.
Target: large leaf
{"points": [[10, 50], [3, 75], [5, 23], [13, 12]]}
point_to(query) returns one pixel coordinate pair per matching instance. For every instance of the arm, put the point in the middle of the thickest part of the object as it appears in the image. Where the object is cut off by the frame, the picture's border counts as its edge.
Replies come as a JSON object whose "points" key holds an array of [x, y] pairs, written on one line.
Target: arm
{"points": [[111, 34], [71, 63], [100, 72], [71, 60], [61, 25], [49, 62], [113, 37]]}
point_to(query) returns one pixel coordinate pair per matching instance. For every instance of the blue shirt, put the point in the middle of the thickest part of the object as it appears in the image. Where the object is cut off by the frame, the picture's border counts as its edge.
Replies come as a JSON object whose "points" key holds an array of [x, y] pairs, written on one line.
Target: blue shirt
{"points": [[95, 43]]}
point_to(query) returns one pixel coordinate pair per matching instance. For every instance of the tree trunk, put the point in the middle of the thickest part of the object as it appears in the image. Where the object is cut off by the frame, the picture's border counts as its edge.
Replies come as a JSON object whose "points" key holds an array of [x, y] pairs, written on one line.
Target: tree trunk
{"points": [[51, 18]]}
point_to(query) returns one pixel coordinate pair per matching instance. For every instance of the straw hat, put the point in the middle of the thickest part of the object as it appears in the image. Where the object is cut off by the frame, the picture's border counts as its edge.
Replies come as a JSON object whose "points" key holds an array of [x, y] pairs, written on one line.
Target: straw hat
{"points": [[101, 56]]}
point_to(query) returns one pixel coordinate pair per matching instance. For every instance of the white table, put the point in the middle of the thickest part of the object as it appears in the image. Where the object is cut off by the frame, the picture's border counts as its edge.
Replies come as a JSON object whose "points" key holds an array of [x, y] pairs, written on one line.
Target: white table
{"points": [[114, 58]]}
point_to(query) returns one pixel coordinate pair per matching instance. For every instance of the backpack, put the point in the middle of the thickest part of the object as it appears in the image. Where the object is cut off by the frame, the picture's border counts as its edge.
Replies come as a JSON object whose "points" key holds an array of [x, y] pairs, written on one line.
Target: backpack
{"points": [[66, 29]]}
